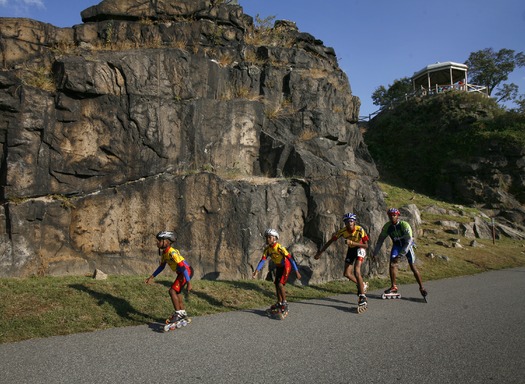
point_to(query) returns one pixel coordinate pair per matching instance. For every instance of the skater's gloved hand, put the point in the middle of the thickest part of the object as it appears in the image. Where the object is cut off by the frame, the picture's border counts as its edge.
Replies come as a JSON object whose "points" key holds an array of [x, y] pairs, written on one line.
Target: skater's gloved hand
{"points": [[254, 274], [189, 286]]}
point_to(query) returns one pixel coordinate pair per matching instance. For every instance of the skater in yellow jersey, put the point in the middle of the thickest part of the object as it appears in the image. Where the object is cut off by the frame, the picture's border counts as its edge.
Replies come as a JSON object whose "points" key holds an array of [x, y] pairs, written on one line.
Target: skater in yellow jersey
{"points": [[284, 263], [357, 242], [177, 263]]}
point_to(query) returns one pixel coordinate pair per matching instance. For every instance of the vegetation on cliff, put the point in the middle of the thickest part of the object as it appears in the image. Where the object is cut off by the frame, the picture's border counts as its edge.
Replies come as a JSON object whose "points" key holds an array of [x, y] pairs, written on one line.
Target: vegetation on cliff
{"points": [[414, 143]]}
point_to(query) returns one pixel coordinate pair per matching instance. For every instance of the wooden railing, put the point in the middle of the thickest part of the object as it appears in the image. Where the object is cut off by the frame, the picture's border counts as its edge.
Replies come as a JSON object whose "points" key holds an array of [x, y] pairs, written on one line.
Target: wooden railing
{"points": [[429, 92]]}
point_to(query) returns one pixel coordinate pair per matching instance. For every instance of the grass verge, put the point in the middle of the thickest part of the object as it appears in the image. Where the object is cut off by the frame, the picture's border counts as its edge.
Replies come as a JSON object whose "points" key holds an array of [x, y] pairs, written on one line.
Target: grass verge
{"points": [[47, 306]]}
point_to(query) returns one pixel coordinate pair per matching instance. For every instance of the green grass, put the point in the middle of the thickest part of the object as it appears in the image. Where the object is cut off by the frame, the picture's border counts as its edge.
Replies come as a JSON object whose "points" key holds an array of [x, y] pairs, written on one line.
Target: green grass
{"points": [[47, 306]]}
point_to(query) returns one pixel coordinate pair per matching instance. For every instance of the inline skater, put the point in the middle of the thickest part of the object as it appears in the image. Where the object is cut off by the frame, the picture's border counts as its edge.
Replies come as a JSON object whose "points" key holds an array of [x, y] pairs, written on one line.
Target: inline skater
{"points": [[357, 242], [177, 263], [284, 263], [402, 246]]}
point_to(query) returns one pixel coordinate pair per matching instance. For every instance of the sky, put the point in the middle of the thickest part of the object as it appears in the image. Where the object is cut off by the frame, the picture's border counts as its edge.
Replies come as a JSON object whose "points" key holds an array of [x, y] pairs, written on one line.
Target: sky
{"points": [[376, 41]]}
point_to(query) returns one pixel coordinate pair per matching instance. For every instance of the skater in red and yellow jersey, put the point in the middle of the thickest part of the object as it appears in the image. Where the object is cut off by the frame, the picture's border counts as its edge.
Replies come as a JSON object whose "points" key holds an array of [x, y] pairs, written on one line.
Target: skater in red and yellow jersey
{"points": [[177, 263], [357, 241], [284, 263]]}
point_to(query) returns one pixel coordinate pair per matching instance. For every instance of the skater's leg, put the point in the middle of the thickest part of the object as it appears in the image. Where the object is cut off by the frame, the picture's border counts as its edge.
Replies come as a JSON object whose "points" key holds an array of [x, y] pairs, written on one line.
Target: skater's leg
{"points": [[281, 279], [281, 293], [359, 277], [349, 272], [417, 275], [393, 272], [176, 292], [176, 299]]}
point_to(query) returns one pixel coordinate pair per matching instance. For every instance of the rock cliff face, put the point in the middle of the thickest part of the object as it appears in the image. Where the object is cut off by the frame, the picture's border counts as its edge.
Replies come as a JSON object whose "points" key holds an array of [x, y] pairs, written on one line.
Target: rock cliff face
{"points": [[175, 115]]}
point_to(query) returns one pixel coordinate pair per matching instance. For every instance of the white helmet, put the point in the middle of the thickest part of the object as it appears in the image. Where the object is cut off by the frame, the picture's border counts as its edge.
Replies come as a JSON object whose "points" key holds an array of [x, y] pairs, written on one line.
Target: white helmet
{"points": [[271, 232], [169, 235]]}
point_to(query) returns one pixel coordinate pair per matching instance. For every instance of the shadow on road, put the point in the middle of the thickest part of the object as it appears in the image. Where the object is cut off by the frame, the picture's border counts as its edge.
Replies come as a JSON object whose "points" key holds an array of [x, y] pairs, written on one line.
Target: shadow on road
{"points": [[156, 327], [330, 302]]}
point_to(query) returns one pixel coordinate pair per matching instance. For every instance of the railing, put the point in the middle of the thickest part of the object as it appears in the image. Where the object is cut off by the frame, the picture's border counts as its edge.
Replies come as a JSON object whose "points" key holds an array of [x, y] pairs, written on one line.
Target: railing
{"points": [[428, 92]]}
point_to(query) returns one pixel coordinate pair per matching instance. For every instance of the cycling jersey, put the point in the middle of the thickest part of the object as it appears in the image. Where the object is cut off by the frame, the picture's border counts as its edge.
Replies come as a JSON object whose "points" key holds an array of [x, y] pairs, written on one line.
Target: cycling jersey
{"points": [[402, 240], [279, 256], [357, 236], [400, 233], [173, 258]]}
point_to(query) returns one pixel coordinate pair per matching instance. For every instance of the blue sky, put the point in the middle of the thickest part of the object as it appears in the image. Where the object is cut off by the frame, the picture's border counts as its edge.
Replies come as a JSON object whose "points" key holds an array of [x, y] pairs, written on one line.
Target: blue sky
{"points": [[376, 41]]}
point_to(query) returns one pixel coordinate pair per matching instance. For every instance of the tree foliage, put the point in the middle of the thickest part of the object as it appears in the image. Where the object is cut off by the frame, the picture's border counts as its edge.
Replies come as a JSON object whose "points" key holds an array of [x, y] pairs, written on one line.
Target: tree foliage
{"points": [[395, 92], [490, 68]]}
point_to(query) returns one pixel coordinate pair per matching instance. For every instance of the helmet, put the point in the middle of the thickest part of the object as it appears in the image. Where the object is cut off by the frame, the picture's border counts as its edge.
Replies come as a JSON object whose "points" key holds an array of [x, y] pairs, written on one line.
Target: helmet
{"points": [[271, 232], [393, 212], [349, 217], [169, 235]]}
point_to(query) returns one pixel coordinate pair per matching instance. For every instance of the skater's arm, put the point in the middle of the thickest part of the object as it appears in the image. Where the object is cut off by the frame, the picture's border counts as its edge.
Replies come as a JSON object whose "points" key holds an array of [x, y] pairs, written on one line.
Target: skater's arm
{"points": [[379, 244], [408, 243], [324, 248], [159, 269], [259, 266], [292, 261], [357, 244], [183, 267], [294, 266]]}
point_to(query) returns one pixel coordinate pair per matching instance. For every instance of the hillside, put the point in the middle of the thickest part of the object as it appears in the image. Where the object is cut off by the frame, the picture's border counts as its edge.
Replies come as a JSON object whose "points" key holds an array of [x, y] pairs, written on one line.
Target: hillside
{"points": [[458, 147]]}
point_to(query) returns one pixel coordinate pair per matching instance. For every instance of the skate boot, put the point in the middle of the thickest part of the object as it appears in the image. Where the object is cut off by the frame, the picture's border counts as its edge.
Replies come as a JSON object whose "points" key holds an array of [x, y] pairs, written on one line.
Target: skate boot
{"points": [[177, 320], [391, 293], [362, 303], [273, 309], [175, 316], [424, 293], [283, 310]]}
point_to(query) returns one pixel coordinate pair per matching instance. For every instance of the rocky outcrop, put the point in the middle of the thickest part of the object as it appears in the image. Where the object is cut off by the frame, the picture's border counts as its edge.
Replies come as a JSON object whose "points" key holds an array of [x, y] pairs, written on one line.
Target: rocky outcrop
{"points": [[175, 115]]}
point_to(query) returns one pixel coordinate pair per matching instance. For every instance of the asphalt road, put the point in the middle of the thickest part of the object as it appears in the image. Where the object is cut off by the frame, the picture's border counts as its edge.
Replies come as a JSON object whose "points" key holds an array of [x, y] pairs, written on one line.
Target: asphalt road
{"points": [[471, 331]]}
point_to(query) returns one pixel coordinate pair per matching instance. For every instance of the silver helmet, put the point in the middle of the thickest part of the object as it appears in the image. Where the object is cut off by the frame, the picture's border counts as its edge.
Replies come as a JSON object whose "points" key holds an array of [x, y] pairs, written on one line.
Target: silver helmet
{"points": [[271, 232], [169, 235]]}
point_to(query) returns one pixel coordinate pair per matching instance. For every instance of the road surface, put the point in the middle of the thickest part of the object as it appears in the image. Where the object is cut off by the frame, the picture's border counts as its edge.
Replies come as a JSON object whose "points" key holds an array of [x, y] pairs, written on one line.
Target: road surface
{"points": [[471, 331]]}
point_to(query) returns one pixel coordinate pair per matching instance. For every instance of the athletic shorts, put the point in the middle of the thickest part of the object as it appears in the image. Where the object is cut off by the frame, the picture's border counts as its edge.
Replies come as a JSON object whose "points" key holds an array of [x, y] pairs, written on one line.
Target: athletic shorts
{"points": [[396, 250], [282, 273], [355, 253], [181, 281]]}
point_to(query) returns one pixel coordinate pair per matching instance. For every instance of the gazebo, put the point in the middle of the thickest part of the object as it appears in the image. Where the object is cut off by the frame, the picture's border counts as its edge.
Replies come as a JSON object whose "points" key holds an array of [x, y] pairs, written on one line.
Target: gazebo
{"points": [[440, 77]]}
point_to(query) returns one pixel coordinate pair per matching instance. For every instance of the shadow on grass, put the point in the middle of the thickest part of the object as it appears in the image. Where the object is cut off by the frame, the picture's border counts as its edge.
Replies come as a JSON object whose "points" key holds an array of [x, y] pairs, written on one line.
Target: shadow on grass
{"points": [[122, 307], [233, 285]]}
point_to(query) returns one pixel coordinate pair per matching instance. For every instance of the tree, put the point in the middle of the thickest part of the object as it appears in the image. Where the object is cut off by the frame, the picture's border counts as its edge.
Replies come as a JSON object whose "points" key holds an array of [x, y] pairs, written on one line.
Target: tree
{"points": [[520, 102], [507, 92], [395, 92], [490, 68]]}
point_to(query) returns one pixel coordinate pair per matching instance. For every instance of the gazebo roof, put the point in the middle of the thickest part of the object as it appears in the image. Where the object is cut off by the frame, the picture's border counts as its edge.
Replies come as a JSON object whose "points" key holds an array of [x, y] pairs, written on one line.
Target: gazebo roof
{"points": [[440, 73]]}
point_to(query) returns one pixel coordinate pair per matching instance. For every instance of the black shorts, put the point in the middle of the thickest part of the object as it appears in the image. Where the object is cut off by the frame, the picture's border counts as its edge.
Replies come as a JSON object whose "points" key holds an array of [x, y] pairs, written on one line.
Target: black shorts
{"points": [[351, 255]]}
